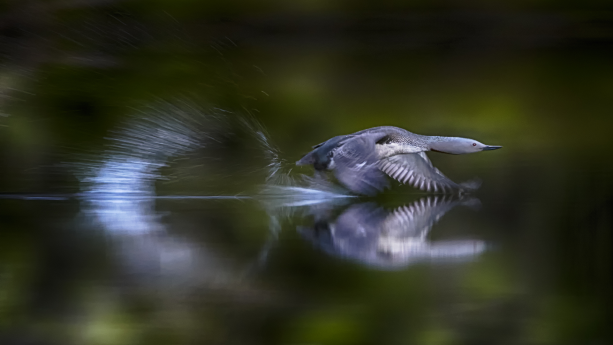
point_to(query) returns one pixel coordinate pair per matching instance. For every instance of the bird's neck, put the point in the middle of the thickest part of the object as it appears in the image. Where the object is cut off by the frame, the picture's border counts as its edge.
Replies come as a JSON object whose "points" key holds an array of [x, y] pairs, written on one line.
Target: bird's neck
{"points": [[443, 144]]}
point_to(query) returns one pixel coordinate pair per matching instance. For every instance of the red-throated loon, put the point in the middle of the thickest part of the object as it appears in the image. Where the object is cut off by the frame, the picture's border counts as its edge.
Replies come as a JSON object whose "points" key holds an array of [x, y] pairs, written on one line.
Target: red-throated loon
{"points": [[361, 160]]}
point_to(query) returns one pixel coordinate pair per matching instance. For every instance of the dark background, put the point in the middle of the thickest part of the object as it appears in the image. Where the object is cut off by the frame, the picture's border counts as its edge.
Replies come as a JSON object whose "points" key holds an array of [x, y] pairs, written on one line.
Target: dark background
{"points": [[533, 76]]}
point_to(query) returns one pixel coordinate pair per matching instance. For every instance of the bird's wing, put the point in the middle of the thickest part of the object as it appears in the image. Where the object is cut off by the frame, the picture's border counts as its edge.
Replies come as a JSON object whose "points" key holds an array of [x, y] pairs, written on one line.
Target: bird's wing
{"points": [[417, 170], [320, 150], [356, 166]]}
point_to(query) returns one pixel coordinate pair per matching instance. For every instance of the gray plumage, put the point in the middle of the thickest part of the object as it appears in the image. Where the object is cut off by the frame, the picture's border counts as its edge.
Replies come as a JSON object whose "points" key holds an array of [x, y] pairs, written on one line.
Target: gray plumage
{"points": [[361, 161]]}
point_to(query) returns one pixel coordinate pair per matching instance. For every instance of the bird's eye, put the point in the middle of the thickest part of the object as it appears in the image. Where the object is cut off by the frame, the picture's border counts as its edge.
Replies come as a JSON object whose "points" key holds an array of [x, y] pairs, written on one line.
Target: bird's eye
{"points": [[474, 144]]}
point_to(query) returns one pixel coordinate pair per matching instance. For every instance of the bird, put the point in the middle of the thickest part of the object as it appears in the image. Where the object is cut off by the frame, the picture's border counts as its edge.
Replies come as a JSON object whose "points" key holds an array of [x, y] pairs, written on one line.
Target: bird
{"points": [[361, 161]]}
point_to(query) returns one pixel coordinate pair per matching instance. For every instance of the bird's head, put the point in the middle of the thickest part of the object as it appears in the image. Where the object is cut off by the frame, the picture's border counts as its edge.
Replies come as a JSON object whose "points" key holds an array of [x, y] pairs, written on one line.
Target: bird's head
{"points": [[459, 146]]}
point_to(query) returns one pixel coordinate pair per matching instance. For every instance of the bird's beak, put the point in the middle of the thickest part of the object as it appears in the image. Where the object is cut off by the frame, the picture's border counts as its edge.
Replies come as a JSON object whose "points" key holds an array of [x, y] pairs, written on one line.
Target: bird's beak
{"points": [[489, 148]]}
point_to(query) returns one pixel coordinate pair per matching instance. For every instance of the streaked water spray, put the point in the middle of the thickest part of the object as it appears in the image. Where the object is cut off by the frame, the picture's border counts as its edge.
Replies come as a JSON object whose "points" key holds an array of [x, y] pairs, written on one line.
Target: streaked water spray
{"points": [[281, 188], [277, 168]]}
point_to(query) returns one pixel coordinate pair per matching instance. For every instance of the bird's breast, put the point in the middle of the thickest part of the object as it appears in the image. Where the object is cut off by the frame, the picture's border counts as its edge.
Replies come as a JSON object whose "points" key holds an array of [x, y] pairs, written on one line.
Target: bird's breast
{"points": [[387, 150]]}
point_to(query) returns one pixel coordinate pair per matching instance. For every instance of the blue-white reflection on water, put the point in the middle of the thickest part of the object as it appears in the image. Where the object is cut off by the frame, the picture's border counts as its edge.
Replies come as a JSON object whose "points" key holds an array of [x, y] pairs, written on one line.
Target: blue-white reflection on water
{"points": [[108, 197]]}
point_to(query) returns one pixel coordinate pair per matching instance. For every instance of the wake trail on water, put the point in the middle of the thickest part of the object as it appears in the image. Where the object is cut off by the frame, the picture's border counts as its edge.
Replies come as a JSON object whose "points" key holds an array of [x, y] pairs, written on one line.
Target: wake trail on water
{"points": [[159, 135]]}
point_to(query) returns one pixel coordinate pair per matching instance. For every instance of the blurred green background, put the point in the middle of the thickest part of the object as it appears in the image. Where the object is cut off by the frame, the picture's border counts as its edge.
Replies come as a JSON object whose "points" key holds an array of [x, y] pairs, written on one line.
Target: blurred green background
{"points": [[533, 76]]}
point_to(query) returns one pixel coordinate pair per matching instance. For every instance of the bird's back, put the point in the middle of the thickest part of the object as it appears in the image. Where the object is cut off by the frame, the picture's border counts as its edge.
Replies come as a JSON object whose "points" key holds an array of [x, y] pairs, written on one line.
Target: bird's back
{"points": [[321, 156]]}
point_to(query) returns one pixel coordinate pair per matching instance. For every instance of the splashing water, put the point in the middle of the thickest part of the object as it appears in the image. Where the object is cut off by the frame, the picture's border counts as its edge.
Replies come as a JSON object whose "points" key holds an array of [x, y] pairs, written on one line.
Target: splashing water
{"points": [[119, 190], [278, 171], [281, 188]]}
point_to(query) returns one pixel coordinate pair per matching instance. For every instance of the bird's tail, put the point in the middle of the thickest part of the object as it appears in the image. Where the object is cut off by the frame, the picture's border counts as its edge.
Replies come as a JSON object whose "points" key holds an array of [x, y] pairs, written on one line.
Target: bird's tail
{"points": [[471, 185], [308, 159]]}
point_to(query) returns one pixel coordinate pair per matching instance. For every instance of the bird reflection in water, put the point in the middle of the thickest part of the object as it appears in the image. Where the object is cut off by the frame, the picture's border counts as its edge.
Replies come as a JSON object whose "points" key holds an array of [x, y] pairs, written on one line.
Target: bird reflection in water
{"points": [[371, 235]]}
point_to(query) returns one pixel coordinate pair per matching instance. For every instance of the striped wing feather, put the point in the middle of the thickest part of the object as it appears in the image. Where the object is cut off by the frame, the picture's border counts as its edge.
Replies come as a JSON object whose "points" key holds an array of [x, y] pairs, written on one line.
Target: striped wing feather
{"points": [[417, 170]]}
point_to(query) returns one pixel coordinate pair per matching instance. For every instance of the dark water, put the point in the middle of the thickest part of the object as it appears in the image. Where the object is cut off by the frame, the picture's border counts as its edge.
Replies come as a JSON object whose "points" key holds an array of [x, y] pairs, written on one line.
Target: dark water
{"points": [[148, 193]]}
